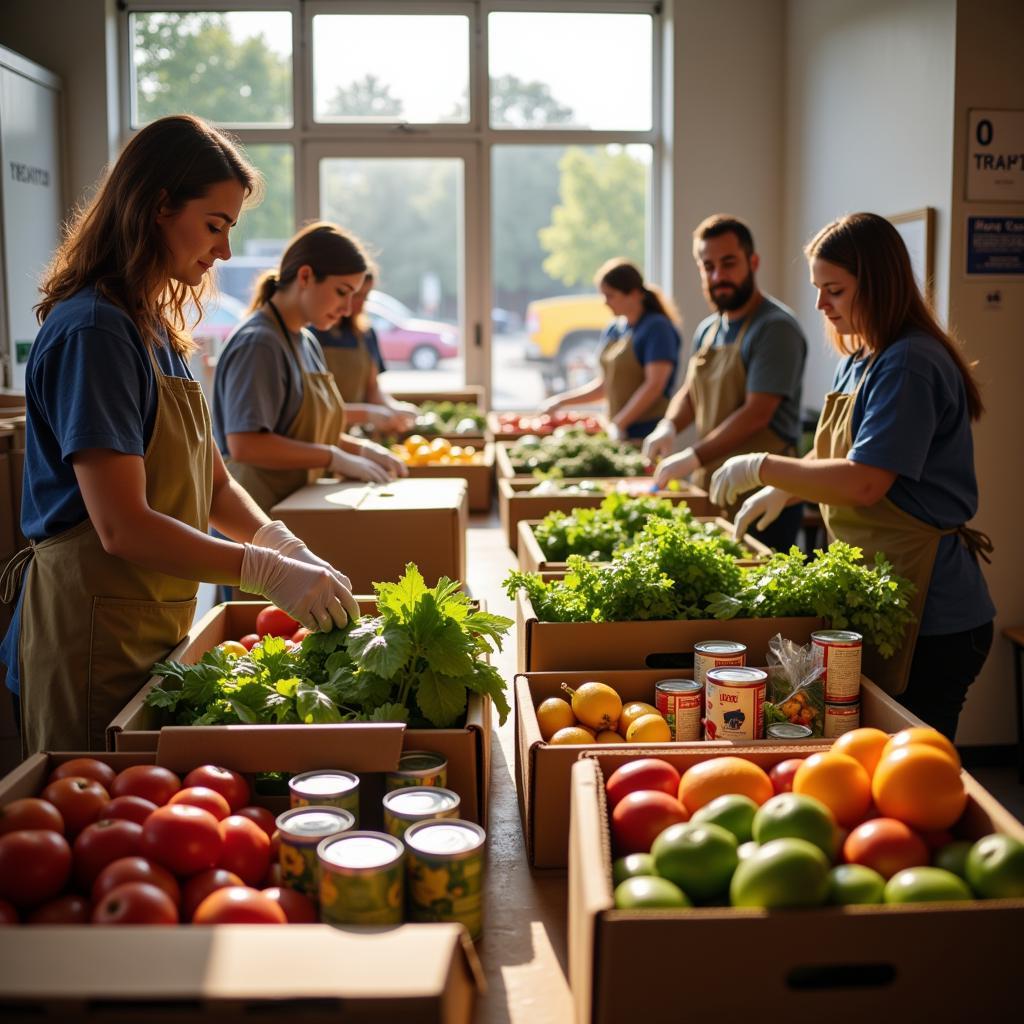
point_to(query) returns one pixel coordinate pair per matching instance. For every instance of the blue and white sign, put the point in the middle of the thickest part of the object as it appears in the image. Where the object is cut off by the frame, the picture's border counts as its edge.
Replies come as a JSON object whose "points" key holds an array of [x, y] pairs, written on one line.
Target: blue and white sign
{"points": [[995, 156], [995, 245]]}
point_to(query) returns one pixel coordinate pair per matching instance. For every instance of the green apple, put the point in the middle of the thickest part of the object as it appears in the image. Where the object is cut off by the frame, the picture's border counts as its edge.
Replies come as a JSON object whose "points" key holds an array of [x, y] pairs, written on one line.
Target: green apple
{"points": [[632, 865], [995, 867], [733, 811], [953, 857], [854, 883], [746, 850], [797, 816], [926, 885], [782, 873], [699, 858], [644, 891]]}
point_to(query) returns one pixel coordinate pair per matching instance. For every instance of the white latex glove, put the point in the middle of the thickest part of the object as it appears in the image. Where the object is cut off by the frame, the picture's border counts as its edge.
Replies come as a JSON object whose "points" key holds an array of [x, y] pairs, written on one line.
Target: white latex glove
{"points": [[313, 596], [614, 431], [675, 467], [658, 444], [405, 414], [735, 476], [766, 503], [551, 404], [277, 536], [388, 461], [355, 467], [381, 417]]}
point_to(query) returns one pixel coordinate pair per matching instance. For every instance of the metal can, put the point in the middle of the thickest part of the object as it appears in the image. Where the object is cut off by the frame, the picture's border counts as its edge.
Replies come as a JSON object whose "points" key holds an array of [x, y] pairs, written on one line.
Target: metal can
{"points": [[362, 879], [734, 703], [445, 873], [418, 768], [840, 718], [404, 807], [302, 829], [681, 703], [839, 652], [787, 732], [714, 654], [332, 788]]}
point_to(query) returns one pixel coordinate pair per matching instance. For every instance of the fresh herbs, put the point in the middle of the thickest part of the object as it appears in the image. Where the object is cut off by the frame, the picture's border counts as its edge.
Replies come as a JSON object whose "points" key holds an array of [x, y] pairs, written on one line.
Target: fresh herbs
{"points": [[575, 453], [449, 418]]}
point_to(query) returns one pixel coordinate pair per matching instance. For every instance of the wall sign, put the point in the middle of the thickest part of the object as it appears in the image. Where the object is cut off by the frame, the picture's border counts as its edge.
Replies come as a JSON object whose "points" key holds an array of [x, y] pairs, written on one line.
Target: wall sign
{"points": [[995, 245], [995, 155]]}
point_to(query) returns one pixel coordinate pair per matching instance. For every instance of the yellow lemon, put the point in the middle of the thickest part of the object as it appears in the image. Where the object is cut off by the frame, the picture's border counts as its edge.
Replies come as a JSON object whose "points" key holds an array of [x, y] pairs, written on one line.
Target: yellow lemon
{"points": [[595, 704], [648, 729], [554, 714]]}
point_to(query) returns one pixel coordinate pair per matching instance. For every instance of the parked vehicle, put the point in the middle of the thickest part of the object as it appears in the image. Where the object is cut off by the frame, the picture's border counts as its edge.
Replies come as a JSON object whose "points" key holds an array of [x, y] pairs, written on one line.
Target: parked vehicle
{"points": [[565, 332]]}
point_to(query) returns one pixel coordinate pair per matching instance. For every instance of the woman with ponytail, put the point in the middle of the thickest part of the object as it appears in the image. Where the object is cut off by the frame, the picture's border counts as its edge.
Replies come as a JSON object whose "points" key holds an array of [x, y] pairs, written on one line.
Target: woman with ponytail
{"points": [[639, 353]]}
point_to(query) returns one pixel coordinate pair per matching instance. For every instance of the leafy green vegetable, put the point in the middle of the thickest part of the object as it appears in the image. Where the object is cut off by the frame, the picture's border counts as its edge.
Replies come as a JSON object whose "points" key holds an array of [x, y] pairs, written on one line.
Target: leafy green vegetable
{"points": [[575, 453]]}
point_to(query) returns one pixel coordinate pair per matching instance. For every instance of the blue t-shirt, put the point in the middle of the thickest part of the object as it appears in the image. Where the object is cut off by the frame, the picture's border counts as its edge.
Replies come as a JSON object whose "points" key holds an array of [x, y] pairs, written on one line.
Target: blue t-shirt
{"points": [[911, 418], [89, 383], [655, 340], [343, 336], [773, 352]]}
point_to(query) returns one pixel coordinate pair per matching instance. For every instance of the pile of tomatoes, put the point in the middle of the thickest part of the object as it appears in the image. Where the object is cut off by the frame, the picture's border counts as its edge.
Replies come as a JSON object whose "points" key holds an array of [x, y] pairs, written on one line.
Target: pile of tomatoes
{"points": [[142, 846], [547, 423]]}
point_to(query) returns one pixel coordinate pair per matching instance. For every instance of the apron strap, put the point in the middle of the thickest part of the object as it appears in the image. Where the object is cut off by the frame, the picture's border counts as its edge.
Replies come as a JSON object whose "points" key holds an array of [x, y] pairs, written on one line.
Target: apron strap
{"points": [[10, 576], [979, 544]]}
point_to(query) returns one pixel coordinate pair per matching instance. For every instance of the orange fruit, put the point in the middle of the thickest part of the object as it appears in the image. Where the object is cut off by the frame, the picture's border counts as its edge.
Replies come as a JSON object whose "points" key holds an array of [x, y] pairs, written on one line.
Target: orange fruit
{"points": [[554, 714], [648, 729], [840, 782], [632, 711], [720, 776], [920, 786], [609, 736], [573, 734], [595, 704], [864, 745], [923, 734]]}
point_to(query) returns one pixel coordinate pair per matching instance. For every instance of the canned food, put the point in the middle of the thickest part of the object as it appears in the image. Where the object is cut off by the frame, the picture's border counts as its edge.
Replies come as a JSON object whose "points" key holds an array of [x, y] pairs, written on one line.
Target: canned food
{"points": [[785, 732], [418, 768], [734, 703], [681, 703], [445, 873], [362, 879], [840, 718], [715, 654], [839, 652], [404, 807], [333, 788], [301, 830]]}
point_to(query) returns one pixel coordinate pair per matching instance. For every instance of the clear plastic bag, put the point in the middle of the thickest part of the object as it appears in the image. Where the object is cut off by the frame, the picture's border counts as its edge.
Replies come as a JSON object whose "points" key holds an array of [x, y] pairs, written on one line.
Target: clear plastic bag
{"points": [[796, 686]]}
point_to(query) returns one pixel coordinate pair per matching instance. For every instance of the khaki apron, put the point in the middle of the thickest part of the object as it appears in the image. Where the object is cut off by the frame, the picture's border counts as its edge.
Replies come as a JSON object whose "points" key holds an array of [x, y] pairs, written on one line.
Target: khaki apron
{"points": [[909, 543], [623, 375], [92, 625], [351, 368], [320, 420]]}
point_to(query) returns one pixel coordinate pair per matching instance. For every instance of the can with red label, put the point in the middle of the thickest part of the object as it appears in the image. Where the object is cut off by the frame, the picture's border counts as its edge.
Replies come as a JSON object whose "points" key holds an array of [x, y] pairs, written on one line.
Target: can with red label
{"points": [[714, 654], [838, 651], [840, 718], [681, 703], [734, 703]]}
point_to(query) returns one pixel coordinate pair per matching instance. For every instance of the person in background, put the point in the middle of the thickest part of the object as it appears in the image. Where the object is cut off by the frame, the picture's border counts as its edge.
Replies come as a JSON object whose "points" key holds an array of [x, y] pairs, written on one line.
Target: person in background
{"points": [[744, 379], [278, 416], [893, 461], [639, 354], [353, 355], [122, 477]]}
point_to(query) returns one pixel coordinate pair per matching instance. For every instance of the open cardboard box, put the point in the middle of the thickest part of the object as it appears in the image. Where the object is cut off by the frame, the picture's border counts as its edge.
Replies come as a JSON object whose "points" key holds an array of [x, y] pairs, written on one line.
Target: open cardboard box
{"points": [[356, 747], [495, 432], [940, 961], [543, 770], [505, 470], [479, 476], [423, 973], [473, 393]]}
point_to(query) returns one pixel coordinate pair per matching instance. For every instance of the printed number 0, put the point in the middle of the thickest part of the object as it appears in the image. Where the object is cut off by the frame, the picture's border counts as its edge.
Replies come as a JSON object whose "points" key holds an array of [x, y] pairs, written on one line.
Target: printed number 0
{"points": [[984, 132]]}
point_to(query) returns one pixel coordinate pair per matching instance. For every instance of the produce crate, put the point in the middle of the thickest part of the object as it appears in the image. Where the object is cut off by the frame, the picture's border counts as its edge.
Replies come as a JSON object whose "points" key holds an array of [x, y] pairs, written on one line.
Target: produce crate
{"points": [[479, 477], [495, 431], [216, 973], [938, 961], [532, 558], [515, 502], [543, 770], [356, 747], [505, 470], [466, 393]]}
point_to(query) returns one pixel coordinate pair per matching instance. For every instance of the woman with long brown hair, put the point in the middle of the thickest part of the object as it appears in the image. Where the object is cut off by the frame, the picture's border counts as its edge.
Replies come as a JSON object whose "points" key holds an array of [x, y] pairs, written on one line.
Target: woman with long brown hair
{"points": [[122, 478], [893, 460]]}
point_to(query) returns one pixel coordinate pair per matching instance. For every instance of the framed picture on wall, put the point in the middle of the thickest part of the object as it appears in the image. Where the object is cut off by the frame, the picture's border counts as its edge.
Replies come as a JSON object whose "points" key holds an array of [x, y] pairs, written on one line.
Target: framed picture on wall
{"points": [[918, 230]]}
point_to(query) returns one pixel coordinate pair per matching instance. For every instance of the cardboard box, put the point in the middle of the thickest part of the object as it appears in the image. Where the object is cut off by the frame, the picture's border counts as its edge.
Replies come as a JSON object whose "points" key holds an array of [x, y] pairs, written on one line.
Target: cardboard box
{"points": [[515, 502], [940, 961], [506, 471], [370, 531], [496, 433], [358, 748], [543, 771], [479, 477], [656, 643], [424, 973], [467, 393], [533, 559]]}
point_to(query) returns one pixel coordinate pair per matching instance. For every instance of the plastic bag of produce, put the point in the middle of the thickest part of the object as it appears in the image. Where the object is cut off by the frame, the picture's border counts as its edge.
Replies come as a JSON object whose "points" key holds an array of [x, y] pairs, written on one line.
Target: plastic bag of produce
{"points": [[796, 686]]}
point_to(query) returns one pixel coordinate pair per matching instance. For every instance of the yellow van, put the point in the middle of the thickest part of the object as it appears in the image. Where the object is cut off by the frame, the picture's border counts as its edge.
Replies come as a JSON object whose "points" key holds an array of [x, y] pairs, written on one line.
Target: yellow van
{"points": [[566, 328]]}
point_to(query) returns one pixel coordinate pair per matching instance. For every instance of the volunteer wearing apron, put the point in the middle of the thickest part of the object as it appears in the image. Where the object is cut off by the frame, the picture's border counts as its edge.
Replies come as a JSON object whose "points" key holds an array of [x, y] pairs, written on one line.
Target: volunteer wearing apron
{"points": [[743, 382], [278, 417], [893, 461], [121, 475], [639, 354]]}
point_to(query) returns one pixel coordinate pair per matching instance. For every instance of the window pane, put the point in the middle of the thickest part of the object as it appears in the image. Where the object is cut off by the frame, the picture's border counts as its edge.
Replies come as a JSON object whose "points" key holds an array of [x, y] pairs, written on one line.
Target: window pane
{"points": [[558, 213], [408, 213], [601, 81], [391, 67], [233, 68]]}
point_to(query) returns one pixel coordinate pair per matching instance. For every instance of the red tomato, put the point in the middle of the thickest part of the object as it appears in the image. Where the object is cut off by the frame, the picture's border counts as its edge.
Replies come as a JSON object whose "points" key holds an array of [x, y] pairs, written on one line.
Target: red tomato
{"points": [[229, 784], [645, 773], [129, 808], [249, 640], [85, 767], [275, 876], [135, 869], [34, 866], [239, 906], [639, 818], [264, 818], [79, 801], [297, 908], [8, 915], [198, 888], [275, 622], [782, 774], [204, 797], [69, 909], [887, 845], [182, 838], [135, 903], [30, 812], [149, 781], [246, 849], [100, 844], [300, 634]]}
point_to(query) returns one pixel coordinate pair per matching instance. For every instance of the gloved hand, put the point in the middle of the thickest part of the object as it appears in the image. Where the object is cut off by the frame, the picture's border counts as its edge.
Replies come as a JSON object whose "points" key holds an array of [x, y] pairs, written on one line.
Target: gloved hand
{"points": [[277, 536], [614, 431], [380, 456], [313, 596], [383, 418], [767, 503], [736, 475], [355, 467], [404, 413], [658, 444], [682, 464], [551, 404]]}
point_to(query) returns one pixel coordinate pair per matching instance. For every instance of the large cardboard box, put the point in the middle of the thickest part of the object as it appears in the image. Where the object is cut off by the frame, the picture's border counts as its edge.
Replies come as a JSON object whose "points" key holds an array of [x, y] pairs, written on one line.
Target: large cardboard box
{"points": [[479, 476], [357, 748], [313, 973], [505, 470], [543, 770], [370, 531], [940, 961]]}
